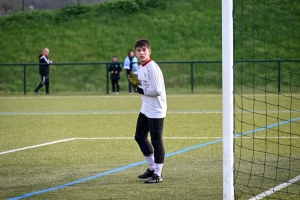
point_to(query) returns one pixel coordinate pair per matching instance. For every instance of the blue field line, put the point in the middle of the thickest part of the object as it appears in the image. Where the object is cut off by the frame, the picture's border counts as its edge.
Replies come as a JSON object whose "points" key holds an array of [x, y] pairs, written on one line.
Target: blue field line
{"points": [[143, 162], [267, 127]]}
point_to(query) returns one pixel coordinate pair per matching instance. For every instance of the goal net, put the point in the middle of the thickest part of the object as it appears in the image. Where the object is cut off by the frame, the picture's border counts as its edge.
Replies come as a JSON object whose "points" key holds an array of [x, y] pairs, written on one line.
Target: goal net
{"points": [[266, 99]]}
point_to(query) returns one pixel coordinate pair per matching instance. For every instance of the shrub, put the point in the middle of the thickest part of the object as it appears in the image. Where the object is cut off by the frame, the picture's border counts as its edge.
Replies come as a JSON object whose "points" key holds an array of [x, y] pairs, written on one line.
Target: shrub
{"points": [[131, 6], [72, 11]]}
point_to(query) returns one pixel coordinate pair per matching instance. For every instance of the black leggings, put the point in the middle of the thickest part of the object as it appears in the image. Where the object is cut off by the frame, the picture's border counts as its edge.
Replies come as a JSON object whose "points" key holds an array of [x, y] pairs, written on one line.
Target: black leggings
{"points": [[155, 126], [44, 81]]}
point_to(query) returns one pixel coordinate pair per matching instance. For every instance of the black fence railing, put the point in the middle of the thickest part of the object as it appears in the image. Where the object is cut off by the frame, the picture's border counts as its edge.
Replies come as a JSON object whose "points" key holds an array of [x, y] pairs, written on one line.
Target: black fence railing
{"points": [[181, 66]]}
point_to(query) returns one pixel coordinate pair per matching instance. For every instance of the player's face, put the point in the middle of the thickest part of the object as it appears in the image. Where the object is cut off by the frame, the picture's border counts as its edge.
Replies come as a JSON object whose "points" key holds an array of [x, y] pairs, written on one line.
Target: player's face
{"points": [[143, 54]]}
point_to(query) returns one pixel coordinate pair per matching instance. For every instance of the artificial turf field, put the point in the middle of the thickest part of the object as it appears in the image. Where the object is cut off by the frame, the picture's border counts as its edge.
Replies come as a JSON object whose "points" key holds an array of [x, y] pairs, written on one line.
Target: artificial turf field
{"points": [[83, 147]]}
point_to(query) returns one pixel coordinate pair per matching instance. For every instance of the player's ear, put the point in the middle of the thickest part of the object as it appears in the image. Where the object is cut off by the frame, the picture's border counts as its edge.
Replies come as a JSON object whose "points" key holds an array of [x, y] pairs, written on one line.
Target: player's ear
{"points": [[150, 51]]}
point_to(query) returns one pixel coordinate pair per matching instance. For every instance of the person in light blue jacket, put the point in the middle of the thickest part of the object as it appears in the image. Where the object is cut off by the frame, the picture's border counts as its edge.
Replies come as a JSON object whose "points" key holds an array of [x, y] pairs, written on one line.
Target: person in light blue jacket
{"points": [[131, 64]]}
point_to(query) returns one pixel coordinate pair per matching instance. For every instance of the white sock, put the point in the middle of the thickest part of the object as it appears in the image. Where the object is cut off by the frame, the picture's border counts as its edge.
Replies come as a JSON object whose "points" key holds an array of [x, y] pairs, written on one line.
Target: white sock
{"points": [[150, 160], [158, 168]]}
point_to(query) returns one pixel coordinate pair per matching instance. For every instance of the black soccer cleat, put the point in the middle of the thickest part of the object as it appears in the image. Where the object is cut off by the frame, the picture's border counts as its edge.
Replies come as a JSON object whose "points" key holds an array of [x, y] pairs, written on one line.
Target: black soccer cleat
{"points": [[154, 179], [149, 173]]}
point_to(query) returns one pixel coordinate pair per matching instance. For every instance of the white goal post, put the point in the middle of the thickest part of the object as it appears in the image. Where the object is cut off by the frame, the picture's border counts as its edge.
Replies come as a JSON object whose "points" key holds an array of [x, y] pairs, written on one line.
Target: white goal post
{"points": [[227, 101]]}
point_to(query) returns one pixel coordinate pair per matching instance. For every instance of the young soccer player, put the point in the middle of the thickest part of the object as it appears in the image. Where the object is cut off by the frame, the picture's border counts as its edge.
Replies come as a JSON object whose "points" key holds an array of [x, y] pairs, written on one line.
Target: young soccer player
{"points": [[150, 84]]}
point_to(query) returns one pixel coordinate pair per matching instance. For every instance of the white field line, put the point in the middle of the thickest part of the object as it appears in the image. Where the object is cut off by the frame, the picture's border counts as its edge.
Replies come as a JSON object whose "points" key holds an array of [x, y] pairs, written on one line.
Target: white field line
{"points": [[98, 138], [294, 137], [119, 138], [38, 145], [107, 112], [106, 96], [180, 138], [131, 96], [135, 112], [275, 189]]}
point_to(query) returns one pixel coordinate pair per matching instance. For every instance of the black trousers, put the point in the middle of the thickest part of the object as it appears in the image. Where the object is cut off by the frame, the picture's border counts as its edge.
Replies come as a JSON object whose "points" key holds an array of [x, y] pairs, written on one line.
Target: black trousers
{"points": [[155, 126], [44, 81], [115, 83]]}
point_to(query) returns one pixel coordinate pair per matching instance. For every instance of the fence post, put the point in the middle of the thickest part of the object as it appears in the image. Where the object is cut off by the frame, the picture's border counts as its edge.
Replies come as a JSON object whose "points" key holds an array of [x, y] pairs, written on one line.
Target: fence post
{"points": [[279, 75], [192, 77], [24, 79], [107, 86]]}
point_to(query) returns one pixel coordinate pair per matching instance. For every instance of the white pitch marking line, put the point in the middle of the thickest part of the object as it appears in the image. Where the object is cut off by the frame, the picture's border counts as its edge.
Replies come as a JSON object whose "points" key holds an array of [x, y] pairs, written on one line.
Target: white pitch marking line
{"points": [[99, 112], [99, 138], [38, 145], [118, 138], [277, 188], [263, 137], [129, 138], [104, 96], [133, 96]]}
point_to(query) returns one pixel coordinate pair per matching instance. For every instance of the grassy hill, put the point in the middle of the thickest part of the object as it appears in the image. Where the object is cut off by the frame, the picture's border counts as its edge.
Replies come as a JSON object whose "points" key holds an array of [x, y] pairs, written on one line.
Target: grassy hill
{"points": [[184, 30], [178, 30]]}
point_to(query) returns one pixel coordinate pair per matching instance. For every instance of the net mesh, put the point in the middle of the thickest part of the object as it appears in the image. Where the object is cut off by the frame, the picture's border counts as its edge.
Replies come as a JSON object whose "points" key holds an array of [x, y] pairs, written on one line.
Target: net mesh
{"points": [[267, 99]]}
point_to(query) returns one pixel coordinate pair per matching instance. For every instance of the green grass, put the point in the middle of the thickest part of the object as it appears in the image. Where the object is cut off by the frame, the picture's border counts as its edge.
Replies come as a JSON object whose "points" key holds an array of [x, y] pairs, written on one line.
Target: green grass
{"points": [[56, 164], [96, 36], [265, 154], [106, 126], [181, 30]]}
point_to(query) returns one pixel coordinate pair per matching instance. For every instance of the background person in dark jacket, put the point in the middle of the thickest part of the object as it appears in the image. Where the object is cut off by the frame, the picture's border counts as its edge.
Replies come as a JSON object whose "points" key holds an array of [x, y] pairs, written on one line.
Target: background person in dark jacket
{"points": [[44, 70], [115, 69]]}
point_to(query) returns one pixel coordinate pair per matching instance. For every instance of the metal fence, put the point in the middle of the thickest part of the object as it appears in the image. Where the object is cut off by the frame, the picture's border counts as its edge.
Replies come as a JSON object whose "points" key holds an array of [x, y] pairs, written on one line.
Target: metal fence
{"points": [[82, 77], [180, 76]]}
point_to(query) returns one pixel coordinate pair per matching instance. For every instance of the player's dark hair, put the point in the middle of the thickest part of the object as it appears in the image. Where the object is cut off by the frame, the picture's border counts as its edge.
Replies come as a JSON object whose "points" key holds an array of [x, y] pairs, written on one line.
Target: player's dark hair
{"points": [[142, 43]]}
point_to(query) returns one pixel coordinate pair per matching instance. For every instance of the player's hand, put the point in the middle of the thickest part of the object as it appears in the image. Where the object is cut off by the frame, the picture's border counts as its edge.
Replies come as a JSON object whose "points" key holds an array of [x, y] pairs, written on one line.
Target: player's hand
{"points": [[133, 80]]}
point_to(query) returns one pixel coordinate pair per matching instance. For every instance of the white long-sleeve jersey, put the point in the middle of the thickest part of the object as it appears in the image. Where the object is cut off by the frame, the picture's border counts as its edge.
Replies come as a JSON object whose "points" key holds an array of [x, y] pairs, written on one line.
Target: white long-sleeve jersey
{"points": [[154, 101]]}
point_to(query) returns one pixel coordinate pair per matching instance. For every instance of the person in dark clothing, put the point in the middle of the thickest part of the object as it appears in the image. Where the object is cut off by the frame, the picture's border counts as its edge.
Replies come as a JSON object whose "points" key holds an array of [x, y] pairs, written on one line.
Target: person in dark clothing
{"points": [[115, 69], [130, 64], [44, 71]]}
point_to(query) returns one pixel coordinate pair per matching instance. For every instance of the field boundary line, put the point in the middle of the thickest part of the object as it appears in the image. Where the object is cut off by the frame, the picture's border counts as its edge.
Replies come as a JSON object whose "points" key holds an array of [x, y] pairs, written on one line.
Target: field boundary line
{"points": [[266, 127], [111, 171], [127, 96], [107, 112], [95, 138], [107, 96], [36, 146], [132, 138], [183, 138], [276, 188], [125, 138]]}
